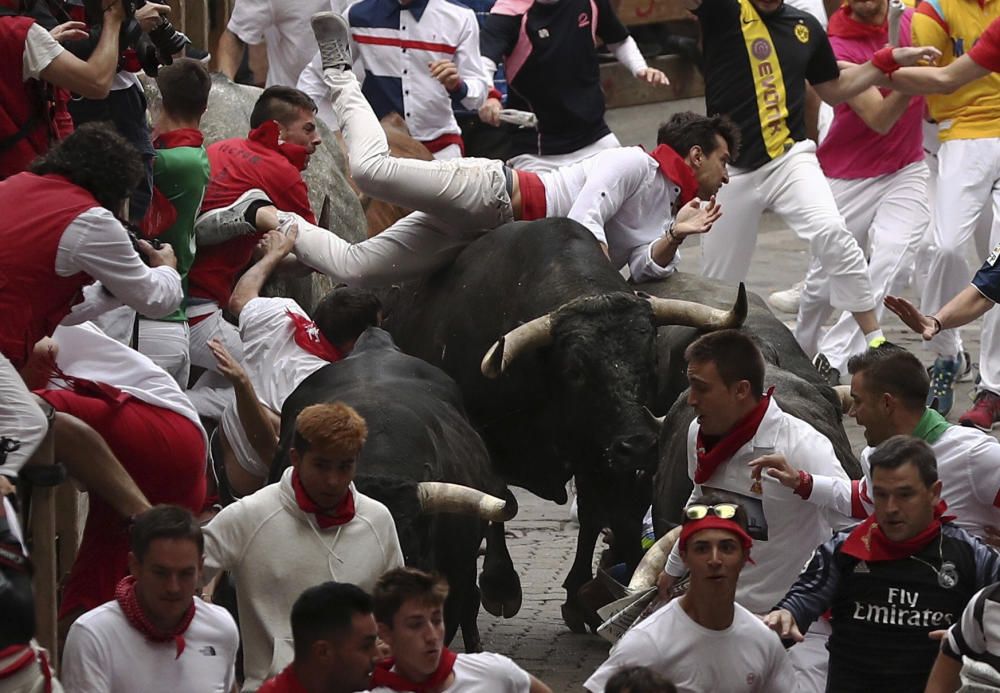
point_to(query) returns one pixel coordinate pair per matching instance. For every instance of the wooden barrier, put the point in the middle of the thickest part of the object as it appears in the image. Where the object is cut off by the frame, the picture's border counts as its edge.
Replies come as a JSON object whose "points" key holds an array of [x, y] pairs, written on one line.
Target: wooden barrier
{"points": [[623, 89], [634, 12]]}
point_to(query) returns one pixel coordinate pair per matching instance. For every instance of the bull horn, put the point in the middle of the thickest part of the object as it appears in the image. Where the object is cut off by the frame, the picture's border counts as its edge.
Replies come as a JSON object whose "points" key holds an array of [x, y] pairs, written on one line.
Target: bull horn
{"points": [[657, 421], [668, 311], [527, 337], [442, 497], [651, 565], [844, 394]]}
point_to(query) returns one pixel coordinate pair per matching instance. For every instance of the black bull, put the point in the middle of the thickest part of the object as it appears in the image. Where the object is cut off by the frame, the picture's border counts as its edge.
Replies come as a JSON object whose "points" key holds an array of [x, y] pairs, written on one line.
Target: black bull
{"points": [[417, 432], [798, 388], [573, 393]]}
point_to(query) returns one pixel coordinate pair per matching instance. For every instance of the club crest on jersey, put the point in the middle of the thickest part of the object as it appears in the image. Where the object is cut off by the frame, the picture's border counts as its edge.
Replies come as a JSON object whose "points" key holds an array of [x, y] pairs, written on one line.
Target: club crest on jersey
{"points": [[543, 33], [761, 48], [583, 20], [802, 33]]}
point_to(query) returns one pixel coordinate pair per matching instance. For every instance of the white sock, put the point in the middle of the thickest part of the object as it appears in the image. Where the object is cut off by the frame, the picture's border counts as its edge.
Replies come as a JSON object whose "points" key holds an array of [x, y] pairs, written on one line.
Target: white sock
{"points": [[874, 335]]}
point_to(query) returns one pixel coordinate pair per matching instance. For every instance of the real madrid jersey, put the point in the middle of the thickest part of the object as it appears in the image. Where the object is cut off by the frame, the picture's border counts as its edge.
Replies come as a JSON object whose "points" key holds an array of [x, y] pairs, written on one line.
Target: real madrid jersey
{"points": [[756, 67]]}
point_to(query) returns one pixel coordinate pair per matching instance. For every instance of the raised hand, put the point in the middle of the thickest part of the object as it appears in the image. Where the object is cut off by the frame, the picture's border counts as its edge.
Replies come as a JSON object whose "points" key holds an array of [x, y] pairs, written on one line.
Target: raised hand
{"points": [[911, 316], [693, 219]]}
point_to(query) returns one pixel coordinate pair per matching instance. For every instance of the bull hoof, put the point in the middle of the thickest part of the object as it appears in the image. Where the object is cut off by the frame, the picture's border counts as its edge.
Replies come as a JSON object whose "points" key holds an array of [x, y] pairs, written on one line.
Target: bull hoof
{"points": [[504, 608], [574, 618]]}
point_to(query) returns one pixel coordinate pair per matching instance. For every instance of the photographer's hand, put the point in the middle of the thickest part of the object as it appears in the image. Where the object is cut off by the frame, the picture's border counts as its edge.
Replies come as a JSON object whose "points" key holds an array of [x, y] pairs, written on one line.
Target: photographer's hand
{"points": [[114, 11], [155, 258], [151, 15], [70, 31]]}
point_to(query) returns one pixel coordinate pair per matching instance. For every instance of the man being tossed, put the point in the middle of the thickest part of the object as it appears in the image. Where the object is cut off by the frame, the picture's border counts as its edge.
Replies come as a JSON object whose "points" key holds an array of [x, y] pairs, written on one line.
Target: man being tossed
{"points": [[891, 580], [705, 641], [639, 206]]}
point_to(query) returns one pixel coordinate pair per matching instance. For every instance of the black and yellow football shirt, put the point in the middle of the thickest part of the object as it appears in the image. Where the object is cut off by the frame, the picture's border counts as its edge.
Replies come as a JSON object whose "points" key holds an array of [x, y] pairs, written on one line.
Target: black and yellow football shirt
{"points": [[756, 66]]}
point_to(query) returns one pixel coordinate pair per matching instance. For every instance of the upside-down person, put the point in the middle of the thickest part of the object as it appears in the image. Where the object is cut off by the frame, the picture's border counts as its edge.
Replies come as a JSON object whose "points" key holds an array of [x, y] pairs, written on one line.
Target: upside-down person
{"points": [[639, 207], [60, 235], [146, 422]]}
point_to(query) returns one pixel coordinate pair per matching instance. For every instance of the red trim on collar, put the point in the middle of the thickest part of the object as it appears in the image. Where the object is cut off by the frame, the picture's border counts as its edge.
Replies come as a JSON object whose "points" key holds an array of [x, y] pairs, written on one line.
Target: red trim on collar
{"points": [[267, 135], [676, 170]]}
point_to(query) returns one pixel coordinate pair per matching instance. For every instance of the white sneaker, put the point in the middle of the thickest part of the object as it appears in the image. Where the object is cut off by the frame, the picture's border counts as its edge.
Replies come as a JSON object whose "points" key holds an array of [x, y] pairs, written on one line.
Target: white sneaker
{"points": [[787, 301]]}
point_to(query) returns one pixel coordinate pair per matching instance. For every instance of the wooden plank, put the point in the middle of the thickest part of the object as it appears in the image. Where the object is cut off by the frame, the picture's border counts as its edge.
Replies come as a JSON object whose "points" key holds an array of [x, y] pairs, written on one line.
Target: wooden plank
{"points": [[622, 89], [197, 19], [633, 12], [43, 554]]}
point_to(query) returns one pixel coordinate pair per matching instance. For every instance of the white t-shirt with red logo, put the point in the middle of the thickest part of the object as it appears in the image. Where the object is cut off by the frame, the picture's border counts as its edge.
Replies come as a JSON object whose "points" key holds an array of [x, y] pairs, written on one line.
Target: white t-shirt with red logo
{"points": [[747, 657]]}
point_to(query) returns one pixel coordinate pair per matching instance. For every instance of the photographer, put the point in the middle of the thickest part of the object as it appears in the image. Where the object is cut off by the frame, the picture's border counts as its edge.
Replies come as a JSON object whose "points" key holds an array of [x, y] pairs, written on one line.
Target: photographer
{"points": [[146, 40], [60, 235], [32, 58]]}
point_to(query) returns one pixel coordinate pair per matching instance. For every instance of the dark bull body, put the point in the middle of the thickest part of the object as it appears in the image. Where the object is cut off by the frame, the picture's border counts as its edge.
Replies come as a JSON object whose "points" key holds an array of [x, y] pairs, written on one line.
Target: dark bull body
{"points": [[575, 406], [798, 388], [417, 431]]}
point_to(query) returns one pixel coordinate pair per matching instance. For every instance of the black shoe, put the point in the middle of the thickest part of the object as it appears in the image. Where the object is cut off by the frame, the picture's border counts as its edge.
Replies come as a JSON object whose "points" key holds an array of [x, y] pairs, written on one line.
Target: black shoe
{"points": [[827, 372]]}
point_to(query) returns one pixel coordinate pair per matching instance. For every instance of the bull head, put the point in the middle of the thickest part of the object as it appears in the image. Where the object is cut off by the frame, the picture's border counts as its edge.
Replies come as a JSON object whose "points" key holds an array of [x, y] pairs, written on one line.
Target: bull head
{"points": [[537, 333], [443, 497]]}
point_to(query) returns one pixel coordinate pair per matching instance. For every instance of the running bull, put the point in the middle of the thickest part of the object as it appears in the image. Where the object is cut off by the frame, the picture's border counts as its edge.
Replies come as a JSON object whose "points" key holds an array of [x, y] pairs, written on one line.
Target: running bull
{"points": [[426, 463], [564, 390]]}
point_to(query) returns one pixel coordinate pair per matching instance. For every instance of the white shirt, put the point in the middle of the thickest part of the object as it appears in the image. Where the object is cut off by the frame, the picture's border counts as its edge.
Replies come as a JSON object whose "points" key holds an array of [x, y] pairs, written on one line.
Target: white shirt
{"points": [[86, 352], [284, 26], [484, 672], [96, 243], [746, 656], [40, 49], [793, 529], [275, 363], [105, 654], [444, 31], [623, 199], [274, 551], [968, 463]]}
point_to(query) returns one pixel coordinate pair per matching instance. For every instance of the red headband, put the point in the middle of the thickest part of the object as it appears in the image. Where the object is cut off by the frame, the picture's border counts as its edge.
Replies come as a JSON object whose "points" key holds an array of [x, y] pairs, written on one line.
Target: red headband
{"points": [[714, 522]]}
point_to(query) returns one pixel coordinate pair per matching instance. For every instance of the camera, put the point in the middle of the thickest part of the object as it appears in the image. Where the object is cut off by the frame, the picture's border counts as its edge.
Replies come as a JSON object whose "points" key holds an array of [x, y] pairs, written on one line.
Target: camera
{"points": [[155, 48]]}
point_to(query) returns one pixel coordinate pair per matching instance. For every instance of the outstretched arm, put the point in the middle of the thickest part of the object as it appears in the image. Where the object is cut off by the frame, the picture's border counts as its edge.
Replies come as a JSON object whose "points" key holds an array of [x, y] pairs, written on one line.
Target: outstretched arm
{"points": [[968, 305], [855, 80], [277, 245], [936, 80]]}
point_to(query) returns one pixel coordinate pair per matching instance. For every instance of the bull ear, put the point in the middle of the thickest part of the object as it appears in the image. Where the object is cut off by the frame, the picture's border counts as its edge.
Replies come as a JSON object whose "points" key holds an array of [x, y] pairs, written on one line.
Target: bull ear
{"points": [[492, 365]]}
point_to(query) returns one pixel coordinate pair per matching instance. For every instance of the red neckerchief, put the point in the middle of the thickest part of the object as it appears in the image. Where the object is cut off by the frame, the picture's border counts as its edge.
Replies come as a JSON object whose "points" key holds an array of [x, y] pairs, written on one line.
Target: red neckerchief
{"points": [[267, 135], [22, 656], [181, 137], [285, 682], [843, 25], [384, 676], [868, 542], [310, 339], [710, 456], [125, 595], [342, 515], [676, 170]]}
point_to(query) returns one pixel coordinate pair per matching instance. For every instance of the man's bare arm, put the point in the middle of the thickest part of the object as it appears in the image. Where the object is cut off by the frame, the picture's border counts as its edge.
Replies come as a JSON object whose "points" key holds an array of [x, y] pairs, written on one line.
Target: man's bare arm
{"points": [[936, 80], [879, 112], [91, 79]]}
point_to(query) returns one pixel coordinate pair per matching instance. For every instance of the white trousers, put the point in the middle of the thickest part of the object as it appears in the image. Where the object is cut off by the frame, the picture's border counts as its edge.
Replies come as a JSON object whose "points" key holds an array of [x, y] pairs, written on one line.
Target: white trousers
{"points": [[212, 393], [22, 424], [889, 214], [968, 187], [457, 199], [166, 344], [537, 163], [793, 185]]}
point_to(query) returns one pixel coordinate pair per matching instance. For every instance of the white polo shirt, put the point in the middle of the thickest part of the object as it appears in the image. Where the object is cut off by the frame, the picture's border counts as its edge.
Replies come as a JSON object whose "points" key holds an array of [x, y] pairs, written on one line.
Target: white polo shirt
{"points": [[105, 654]]}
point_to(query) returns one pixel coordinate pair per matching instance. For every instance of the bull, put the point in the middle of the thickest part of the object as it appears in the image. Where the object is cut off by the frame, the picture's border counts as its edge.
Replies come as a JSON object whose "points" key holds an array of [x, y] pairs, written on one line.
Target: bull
{"points": [[564, 391], [418, 438], [799, 389]]}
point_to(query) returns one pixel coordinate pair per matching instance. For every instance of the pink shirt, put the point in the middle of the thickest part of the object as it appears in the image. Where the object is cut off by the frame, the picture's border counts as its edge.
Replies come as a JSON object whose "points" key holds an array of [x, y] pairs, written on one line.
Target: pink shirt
{"points": [[852, 149]]}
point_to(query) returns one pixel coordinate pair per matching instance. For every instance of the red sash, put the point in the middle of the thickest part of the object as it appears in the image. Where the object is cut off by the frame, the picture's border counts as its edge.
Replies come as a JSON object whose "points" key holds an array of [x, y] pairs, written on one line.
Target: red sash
{"points": [[384, 676]]}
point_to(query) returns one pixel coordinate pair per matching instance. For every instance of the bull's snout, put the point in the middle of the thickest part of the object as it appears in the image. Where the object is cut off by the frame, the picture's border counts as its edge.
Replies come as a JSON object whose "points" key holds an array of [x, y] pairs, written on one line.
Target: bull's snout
{"points": [[629, 450]]}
